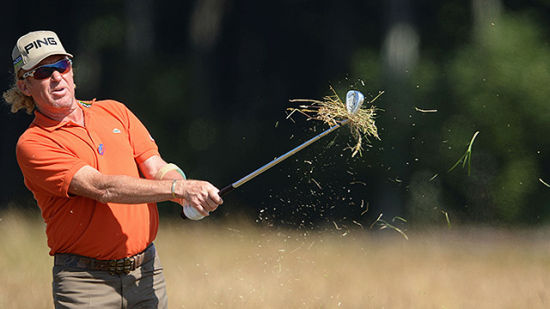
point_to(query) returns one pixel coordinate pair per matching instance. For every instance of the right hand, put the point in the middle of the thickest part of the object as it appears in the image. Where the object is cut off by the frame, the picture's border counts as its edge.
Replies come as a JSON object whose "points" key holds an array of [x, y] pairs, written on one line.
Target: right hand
{"points": [[201, 195]]}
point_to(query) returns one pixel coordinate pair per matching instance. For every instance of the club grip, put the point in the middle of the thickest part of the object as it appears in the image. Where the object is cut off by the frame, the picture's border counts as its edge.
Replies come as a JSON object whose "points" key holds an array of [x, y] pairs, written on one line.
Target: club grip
{"points": [[226, 190], [221, 193]]}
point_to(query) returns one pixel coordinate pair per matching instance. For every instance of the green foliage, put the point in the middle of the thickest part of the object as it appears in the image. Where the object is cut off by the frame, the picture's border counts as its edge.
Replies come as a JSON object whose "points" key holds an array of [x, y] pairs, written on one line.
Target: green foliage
{"points": [[495, 83], [512, 188], [500, 84], [104, 32]]}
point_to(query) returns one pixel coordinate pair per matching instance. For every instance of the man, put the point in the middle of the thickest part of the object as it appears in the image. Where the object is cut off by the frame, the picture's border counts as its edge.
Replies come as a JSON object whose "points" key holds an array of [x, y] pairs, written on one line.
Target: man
{"points": [[82, 160]]}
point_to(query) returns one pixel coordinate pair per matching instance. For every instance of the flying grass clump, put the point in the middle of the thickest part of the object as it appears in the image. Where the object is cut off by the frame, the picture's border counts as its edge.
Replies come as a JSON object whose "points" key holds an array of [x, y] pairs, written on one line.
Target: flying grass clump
{"points": [[332, 110]]}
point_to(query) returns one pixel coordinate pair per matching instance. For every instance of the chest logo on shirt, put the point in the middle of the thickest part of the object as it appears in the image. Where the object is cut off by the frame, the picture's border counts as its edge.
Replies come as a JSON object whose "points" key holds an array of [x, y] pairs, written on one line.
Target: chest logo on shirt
{"points": [[116, 130], [100, 149]]}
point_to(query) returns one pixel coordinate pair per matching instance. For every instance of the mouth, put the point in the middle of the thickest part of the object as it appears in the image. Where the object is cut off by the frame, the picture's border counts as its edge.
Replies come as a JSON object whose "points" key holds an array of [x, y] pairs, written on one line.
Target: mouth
{"points": [[59, 92]]}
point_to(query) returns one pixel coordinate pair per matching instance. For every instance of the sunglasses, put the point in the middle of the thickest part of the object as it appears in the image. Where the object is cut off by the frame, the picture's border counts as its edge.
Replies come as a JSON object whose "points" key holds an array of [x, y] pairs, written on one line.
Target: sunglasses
{"points": [[45, 71]]}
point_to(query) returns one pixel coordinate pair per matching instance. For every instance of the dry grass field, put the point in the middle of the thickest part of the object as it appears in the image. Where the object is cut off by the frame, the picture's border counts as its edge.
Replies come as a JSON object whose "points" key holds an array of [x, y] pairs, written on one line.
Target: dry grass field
{"points": [[239, 265]]}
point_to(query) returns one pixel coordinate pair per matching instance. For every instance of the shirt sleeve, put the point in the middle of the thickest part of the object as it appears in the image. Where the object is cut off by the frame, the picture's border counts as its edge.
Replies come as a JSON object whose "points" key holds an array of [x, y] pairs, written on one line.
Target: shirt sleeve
{"points": [[45, 166]]}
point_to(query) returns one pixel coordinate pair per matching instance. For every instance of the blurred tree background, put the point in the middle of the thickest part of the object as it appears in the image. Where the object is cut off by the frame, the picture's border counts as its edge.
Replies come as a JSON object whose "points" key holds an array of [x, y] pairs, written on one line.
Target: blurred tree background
{"points": [[211, 79]]}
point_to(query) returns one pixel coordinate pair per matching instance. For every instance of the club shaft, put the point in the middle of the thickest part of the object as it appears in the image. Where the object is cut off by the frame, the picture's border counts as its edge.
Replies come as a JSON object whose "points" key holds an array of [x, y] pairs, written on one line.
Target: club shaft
{"points": [[278, 160]]}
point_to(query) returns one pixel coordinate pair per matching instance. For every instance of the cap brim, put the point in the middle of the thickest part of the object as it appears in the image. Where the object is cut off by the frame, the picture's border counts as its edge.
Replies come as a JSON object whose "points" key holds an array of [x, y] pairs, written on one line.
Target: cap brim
{"points": [[32, 64]]}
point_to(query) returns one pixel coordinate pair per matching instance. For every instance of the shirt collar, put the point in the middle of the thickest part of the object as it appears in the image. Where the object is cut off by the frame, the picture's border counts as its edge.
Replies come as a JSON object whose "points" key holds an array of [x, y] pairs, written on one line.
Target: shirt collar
{"points": [[50, 125]]}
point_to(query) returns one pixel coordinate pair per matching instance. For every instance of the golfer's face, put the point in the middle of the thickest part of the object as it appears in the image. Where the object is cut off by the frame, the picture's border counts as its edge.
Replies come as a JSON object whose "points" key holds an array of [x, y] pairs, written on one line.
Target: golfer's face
{"points": [[53, 94]]}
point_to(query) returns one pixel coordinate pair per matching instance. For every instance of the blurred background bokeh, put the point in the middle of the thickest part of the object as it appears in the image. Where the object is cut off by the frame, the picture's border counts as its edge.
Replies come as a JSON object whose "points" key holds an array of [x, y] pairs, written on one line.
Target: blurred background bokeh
{"points": [[212, 81]]}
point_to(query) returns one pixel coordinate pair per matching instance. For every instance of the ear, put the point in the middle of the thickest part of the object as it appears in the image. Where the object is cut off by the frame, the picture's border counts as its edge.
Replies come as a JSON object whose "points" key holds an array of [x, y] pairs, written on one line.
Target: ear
{"points": [[23, 87]]}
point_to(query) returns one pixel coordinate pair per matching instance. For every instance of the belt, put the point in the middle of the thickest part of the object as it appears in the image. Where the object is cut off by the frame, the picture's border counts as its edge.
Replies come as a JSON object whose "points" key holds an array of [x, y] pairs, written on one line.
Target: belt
{"points": [[120, 266]]}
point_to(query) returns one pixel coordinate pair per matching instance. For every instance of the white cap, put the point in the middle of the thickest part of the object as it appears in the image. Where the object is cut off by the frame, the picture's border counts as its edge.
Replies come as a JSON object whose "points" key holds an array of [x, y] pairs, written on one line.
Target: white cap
{"points": [[34, 47]]}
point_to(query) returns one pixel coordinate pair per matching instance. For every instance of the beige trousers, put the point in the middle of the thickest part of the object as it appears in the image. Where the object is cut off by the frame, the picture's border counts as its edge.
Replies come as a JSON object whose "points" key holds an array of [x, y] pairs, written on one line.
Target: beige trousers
{"points": [[144, 287]]}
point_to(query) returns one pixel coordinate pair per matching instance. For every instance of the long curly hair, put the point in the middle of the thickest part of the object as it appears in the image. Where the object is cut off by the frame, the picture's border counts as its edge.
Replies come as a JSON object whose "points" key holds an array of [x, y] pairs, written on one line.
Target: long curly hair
{"points": [[17, 99]]}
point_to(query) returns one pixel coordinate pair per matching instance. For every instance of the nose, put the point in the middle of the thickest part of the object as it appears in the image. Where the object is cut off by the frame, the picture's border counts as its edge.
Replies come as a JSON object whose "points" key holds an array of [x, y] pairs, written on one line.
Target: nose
{"points": [[56, 76]]}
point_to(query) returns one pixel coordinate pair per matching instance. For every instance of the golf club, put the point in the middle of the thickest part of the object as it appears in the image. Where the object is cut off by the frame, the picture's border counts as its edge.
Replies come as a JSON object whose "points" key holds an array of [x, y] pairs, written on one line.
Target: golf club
{"points": [[354, 100]]}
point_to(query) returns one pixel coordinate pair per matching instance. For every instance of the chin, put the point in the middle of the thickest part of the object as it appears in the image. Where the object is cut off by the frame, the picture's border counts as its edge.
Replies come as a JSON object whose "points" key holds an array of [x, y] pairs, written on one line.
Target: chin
{"points": [[65, 101]]}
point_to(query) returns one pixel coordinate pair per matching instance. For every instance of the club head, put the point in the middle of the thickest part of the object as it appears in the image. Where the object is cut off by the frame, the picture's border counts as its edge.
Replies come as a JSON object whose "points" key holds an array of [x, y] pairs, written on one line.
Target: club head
{"points": [[354, 100]]}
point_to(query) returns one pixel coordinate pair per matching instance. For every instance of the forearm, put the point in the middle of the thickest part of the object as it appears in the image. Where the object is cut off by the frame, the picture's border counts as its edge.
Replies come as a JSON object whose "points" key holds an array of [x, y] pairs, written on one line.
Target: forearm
{"points": [[129, 190], [123, 189], [89, 182]]}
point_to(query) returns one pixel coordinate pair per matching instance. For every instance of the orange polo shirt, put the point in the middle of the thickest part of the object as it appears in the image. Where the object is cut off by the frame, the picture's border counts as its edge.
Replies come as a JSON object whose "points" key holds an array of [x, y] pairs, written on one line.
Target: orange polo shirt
{"points": [[114, 142]]}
